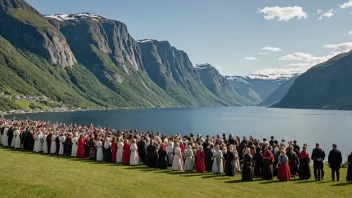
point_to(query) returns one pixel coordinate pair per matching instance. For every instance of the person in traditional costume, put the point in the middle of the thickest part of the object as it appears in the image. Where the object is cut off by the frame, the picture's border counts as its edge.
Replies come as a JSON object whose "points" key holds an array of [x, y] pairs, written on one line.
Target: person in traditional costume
{"points": [[48, 141], [126, 153], [57, 140], [189, 156], [208, 157], [68, 145], [162, 156], [170, 153], [236, 160], [318, 156], [284, 173], [141, 149], [218, 167], [150, 157], [349, 168], [11, 142], [304, 168], [230, 157], [62, 139], [92, 148], [113, 149], [156, 156], [53, 144], [100, 154], [134, 158], [74, 145], [5, 138], [81, 147], [268, 159], [37, 142], [247, 170], [119, 151], [177, 158], [293, 161], [107, 151], [17, 134], [45, 144], [258, 163], [200, 166], [335, 160], [276, 154]]}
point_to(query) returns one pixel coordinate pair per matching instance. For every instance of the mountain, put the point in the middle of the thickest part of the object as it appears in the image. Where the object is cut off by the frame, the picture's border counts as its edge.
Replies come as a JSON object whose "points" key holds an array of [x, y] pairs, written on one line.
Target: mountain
{"points": [[279, 93], [324, 86], [172, 70], [219, 85], [256, 88]]}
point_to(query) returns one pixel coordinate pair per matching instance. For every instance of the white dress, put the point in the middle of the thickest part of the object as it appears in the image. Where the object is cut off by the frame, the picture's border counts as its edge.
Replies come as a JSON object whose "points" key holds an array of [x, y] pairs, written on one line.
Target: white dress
{"points": [[177, 162], [169, 151], [45, 144], [217, 163], [17, 138], [13, 140], [41, 141], [5, 138], [62, 141], [119, 152], [53, 144], [100, 155], [36, 143], [134, 157], [189, 163], [74, 146]]}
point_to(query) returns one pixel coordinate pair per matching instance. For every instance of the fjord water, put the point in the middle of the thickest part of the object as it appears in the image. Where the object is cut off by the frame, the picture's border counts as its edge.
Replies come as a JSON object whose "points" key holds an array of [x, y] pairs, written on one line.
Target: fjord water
{"points": [[305, 126]]}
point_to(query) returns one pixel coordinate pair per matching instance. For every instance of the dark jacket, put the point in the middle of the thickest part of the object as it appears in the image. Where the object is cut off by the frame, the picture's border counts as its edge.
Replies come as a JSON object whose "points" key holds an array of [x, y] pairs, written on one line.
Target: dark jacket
{"points": [[318, 153], [335, 159]]}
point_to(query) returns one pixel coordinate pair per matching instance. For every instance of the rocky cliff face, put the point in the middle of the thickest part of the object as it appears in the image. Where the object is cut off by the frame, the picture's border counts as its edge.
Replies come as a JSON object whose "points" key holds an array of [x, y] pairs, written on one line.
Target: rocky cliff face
{"points": [[325, 86], [27, 29], [172, 70], [219, 85]]}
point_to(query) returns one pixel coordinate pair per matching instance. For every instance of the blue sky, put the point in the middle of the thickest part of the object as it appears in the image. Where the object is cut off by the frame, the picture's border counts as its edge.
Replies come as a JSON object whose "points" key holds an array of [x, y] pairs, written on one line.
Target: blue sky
{"points": [[229, 34]]}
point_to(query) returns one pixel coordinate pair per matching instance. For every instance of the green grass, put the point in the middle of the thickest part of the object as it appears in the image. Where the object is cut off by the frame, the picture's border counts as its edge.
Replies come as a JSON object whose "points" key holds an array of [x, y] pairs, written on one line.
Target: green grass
{"points": [[27, 174]]}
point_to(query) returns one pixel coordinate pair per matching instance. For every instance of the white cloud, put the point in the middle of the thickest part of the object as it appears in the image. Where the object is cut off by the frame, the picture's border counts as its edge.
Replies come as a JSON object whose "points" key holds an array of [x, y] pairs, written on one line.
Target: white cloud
{"points": [[346, 5], [283, 13], [330, 13], [299, 64], [299, 56], [349, 33], [263, 53], [250, 58], [340, 48], [273, 49], [319, 11]]}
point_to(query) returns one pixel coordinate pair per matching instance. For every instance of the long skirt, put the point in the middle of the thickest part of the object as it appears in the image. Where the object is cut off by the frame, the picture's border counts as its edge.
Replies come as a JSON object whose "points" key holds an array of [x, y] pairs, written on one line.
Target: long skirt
{"points": [[284, 173], [304, 169], [349, 173], [267, 170], [92, 155], [247, 173]]}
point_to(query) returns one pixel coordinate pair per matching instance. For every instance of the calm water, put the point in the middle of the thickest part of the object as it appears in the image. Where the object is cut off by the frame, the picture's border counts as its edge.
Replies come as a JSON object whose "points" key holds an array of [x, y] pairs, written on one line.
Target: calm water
{"points": [[305, 126]]}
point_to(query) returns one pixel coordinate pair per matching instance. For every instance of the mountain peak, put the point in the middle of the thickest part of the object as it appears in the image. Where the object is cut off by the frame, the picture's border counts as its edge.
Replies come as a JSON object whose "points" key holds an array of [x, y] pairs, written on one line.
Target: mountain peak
{"points": [[75, 17], [203, 66]]}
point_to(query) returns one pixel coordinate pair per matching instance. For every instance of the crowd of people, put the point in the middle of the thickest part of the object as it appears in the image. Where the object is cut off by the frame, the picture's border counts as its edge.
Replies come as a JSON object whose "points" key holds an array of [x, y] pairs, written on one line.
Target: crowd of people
{"points": [[227, 155]]}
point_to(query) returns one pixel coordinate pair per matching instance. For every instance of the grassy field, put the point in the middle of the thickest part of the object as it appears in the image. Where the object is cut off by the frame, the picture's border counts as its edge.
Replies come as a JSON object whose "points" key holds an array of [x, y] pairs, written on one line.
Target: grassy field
{"points": [[27, 174]]}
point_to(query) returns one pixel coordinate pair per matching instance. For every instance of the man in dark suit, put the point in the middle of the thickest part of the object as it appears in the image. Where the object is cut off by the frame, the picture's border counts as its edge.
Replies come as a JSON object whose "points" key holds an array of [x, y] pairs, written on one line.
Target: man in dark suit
{"points": [[335, 160], [318, 156]]}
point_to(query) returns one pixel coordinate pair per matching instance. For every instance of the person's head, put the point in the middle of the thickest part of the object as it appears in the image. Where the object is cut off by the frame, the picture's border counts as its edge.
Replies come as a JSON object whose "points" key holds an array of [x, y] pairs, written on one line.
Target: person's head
{"points": [[317, 145], [200, 147], [258, 149], [126, 141], [272, 138], [283, 152], [334, 146], [269, 148], [304, 149], [189, 146], [217, 147], [247, 151]]}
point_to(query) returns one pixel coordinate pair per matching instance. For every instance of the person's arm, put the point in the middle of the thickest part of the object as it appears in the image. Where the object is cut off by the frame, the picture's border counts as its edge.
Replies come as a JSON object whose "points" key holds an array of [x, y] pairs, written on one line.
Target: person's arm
{"points": [[329, 157]]}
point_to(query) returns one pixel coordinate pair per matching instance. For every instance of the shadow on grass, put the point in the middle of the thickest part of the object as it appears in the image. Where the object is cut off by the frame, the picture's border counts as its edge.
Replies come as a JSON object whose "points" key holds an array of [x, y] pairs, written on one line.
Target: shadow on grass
{"points": [[268, 182], [343, 184]]}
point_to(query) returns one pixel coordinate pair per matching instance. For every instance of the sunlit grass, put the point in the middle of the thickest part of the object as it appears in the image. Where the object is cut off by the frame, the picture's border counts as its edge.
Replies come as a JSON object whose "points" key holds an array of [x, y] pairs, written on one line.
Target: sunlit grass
{"points": [[27, 174]]}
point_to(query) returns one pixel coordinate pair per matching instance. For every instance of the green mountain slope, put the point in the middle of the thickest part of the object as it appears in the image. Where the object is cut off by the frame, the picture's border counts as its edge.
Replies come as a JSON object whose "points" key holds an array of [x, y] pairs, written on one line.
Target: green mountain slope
{"points": [[324, 86]]}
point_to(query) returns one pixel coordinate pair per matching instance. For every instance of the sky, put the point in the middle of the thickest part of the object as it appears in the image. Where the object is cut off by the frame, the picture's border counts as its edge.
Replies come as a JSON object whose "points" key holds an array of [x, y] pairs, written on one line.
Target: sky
{"points": [[237, 37]]}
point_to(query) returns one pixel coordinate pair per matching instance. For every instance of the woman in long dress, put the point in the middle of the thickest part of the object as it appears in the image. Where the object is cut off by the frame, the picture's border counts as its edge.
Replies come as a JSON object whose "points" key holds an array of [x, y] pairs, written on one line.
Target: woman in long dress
{"points": [[74, 145], [284, 173], [292, 161], [236, 161], [92, 148], [268, 160], [53, 144], [258, 163], [189, 156], [113, 149], [349, 170], [45, 144], [5, 138], [247, 171], [100, 155], [304, 169], [230, 169], [17, 138], [68, 145], [36, 147], [134, 158], [107, 150], [200, 165], [126, 153], [177, 158], [218, 167], [119, 151], [62, 139], [162, 156], [170, 152], [81, 147]]}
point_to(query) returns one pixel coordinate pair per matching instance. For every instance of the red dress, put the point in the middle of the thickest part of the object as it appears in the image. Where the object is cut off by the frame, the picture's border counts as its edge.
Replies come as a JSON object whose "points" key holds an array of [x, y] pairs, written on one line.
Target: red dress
{"points": [[284, 173], [182, 147], [81, 149], [126, 154], [114, 151], [200, 167]]}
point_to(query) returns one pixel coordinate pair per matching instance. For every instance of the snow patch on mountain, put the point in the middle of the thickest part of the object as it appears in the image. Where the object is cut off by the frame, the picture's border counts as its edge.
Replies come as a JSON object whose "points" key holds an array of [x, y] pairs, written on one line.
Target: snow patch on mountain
{"points": [[78, 16]]}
